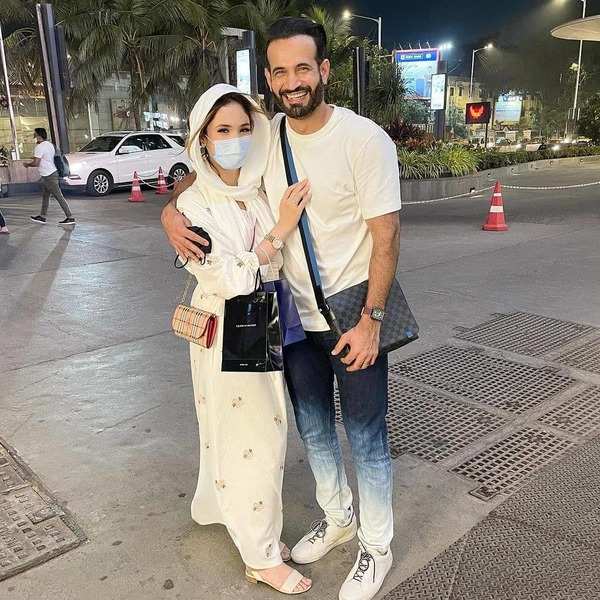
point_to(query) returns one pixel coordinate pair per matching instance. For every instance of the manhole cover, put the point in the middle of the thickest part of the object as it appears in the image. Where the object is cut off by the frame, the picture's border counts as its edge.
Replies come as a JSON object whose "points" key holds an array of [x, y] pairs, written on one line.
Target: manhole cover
{"points": [[429, 425], [525, 333], [586, 357], [507, 464], [580, 415], [494, 381], [33, 527]]}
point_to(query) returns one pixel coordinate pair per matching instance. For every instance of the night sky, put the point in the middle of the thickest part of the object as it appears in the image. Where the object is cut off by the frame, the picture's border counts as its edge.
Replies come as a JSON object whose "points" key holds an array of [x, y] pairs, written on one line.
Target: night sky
{"points": [[463, 22]]}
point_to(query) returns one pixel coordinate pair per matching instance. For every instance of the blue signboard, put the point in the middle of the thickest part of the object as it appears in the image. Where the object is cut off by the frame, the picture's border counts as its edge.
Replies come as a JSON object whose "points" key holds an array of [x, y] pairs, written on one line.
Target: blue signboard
{"points": [[417, 68]]}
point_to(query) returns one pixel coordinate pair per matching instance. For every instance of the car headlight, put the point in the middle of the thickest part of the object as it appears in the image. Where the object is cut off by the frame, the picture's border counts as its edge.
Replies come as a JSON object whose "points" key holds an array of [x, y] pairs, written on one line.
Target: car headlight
{"points": [[556, 147]]}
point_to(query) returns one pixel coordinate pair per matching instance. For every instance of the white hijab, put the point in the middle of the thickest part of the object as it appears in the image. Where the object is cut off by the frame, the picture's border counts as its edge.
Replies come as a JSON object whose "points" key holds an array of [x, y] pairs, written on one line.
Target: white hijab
{"points": [[209, 190]]}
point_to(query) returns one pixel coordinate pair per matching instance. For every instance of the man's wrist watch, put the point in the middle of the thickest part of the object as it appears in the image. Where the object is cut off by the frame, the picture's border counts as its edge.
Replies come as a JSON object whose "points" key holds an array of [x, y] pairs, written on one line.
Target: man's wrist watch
{"points": [[376, 313], [277, 242]]}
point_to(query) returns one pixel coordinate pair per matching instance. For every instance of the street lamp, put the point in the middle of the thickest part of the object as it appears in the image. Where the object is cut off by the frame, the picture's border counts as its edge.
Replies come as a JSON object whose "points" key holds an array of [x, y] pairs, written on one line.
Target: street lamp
{"points": [[486, 47], [578, 67], [348, 15]]}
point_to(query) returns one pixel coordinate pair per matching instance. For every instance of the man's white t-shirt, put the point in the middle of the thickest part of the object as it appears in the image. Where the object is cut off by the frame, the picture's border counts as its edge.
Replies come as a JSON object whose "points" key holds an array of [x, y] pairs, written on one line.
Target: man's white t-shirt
{"points": [[45, 152], [352, 166]]}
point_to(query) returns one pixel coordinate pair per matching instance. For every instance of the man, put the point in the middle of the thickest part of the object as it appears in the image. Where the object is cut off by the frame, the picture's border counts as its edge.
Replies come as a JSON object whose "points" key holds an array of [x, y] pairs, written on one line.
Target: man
{"points": [[353, 169], [44, 161]]}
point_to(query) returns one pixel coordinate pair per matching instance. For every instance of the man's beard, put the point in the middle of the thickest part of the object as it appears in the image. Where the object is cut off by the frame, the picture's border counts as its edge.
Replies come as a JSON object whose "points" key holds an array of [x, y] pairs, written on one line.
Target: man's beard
{"points": [[299, 111]]}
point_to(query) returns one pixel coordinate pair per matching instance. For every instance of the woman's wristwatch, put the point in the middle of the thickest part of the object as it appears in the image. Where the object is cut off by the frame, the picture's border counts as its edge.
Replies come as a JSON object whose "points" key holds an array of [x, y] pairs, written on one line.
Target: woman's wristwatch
{"points": [[275, 241]]}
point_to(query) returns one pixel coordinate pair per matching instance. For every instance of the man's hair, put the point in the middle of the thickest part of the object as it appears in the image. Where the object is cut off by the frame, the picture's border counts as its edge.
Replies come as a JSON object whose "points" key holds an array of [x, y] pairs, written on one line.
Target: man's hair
{"points": [[288, 27], [41, 132]]}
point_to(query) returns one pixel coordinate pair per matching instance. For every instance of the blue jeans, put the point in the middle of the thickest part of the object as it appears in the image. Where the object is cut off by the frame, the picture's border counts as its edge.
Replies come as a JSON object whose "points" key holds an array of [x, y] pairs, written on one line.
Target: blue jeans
{"points": [[309, 370]]}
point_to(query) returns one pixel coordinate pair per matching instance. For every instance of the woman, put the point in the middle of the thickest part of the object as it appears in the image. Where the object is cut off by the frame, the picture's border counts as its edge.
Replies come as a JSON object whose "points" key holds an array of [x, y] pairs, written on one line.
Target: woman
{"points": [[242, 416]]}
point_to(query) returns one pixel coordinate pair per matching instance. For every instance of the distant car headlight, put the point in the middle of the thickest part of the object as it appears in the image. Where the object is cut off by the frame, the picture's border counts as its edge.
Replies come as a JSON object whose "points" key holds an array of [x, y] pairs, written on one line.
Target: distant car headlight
{"points": [[556, 147]]}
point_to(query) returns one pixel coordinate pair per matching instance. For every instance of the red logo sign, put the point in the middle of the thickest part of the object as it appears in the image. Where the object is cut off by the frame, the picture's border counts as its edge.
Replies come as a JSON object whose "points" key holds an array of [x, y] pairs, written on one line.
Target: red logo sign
{"points": [[478, 113]]}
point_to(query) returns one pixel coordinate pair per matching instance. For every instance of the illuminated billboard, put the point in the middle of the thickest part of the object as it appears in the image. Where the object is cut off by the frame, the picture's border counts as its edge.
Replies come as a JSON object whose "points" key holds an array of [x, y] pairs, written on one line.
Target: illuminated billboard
{"points": [[508, 109], [438, 92], [478, 113], [243, 71], [417, 68]]}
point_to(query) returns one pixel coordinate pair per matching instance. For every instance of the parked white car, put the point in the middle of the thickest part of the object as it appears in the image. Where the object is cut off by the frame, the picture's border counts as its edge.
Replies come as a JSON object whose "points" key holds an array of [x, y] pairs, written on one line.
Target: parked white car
{"points": [[109, 160]]}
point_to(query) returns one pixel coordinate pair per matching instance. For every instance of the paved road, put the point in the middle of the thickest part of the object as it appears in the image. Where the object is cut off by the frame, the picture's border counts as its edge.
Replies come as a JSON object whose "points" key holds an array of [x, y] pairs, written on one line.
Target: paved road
{"points": [[96, 394]]}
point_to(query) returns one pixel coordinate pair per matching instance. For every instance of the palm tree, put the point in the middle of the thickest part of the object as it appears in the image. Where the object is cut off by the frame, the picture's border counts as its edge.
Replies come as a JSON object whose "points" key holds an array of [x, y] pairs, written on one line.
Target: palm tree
{"points": [[191, 48], [109, 36], [22, 44], [259, 15]]}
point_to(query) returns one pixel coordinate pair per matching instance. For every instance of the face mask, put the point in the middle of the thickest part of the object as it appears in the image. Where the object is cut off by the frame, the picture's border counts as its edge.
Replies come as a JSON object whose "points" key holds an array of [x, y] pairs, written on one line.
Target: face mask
{"points": [[231, 154]]}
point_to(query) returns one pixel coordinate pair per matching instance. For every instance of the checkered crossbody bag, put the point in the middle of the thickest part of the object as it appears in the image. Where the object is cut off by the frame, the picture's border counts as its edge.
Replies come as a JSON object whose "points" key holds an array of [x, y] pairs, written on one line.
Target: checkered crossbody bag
{"points": [[193, 324]]}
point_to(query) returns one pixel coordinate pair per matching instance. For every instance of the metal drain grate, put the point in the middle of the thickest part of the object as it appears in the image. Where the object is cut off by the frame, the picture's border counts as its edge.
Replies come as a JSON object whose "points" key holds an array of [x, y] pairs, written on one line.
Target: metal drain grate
{"points": [[33, 527], [506, 465], [505, 560], [525, 333], [495, 381], [586, 357], [429, 425], [580, 415]]}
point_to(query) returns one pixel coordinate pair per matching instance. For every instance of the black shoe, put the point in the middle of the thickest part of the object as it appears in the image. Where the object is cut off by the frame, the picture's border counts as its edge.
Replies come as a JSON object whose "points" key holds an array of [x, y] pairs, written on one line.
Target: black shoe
{"points": [[67, 221], [38, 219]]}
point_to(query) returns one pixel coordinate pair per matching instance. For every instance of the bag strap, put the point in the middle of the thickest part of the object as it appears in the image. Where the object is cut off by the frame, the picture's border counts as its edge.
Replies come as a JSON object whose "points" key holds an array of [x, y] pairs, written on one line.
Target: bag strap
{"points": [[306, 235], [187, 288]]}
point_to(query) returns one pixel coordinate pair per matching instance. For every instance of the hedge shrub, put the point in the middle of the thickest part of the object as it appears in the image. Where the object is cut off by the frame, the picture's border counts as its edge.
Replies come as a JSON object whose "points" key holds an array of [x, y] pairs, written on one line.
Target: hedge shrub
{"points": [[455, 161]]}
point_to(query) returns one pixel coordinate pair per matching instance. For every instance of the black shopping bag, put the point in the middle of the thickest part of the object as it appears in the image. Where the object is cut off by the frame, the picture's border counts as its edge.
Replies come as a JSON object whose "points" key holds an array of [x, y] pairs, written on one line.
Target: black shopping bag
{"points": [[251, 333]]}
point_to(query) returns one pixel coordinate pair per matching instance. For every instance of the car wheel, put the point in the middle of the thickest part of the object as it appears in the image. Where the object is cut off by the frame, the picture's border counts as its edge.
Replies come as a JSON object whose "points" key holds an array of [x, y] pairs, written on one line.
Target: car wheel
{"points": [[99, 183], [178, 172]]}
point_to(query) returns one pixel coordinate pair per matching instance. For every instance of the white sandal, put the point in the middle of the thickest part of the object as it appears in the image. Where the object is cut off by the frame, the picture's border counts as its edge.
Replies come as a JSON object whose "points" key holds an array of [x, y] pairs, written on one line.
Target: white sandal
{"points": [[288, 587]]}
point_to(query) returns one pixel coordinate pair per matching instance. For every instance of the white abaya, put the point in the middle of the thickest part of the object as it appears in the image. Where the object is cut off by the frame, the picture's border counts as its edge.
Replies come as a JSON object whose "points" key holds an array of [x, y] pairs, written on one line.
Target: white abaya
{"points": [[241, 416]]}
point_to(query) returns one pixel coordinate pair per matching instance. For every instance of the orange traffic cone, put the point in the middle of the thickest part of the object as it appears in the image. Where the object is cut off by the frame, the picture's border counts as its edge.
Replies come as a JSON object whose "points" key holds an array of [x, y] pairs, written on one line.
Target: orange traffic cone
{"points": [[162, 183], [136, 191], [495, 220]]}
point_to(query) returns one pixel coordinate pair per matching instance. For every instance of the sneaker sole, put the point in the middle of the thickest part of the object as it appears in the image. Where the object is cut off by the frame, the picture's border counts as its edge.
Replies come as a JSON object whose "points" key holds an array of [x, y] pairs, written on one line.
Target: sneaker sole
{"points": [[338, 543], [66, 224], [39, 222]]}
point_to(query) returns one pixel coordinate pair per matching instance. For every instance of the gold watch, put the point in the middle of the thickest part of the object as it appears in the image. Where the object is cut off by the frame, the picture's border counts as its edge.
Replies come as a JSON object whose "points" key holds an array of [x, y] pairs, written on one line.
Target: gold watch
{"points": [[276, 241]]}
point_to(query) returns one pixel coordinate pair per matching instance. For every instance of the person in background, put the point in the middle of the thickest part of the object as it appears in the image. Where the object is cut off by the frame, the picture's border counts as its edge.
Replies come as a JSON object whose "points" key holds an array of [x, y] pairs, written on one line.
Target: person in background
{"points": [[3, 227], [44, 161]]}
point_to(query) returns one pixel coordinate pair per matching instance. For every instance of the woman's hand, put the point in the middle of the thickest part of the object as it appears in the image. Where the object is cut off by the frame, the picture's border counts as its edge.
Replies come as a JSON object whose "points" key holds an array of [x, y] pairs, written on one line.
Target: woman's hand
{"points": [[292, 206]]}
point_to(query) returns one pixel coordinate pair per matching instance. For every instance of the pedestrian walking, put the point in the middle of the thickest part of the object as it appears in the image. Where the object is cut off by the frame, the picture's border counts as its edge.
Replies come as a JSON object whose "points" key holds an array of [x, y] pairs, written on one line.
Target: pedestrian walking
{"points": [[3, 228], [44, 161]]}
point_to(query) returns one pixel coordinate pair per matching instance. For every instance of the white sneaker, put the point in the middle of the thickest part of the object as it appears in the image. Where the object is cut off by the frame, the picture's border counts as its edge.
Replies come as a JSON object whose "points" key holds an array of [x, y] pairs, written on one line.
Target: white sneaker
{"points": [[324, 535], [367, 575]]}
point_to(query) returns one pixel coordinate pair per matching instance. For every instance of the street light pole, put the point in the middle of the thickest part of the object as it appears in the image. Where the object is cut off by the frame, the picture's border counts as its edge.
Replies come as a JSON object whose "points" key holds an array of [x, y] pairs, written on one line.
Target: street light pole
{"points": [[11, 114], [487, 47], [578, 67], [472, 71], [348, 15]]}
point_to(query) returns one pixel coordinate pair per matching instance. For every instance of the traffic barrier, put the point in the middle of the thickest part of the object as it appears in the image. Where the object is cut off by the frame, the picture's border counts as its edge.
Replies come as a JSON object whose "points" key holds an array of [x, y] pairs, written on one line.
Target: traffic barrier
{"points": [[162, 183], [495, 220], [136, 190]]}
